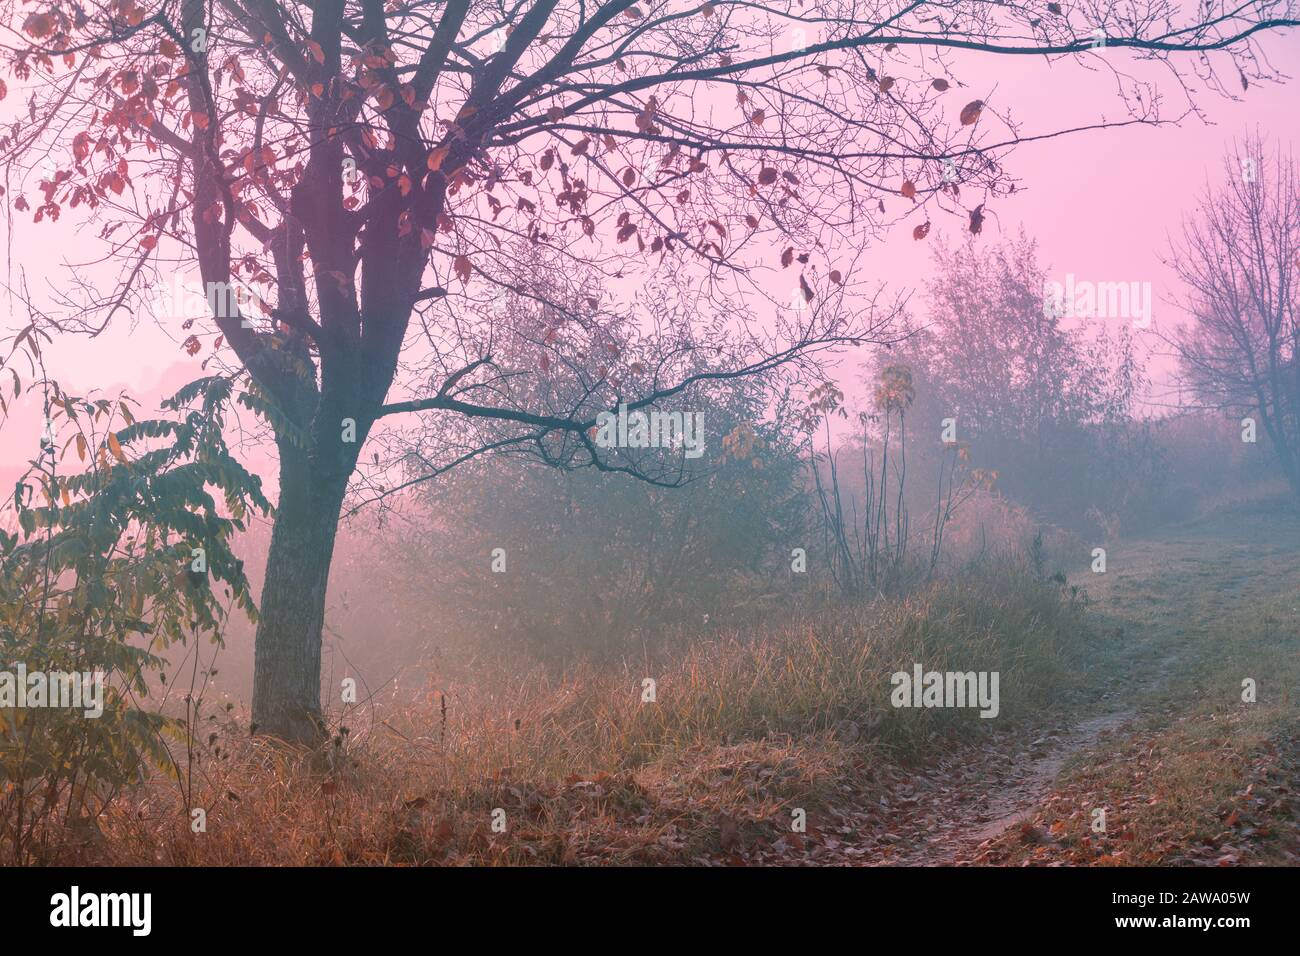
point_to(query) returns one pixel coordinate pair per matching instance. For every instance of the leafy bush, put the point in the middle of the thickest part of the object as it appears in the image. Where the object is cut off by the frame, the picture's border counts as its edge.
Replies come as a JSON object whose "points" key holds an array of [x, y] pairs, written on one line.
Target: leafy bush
{"points": [[597, 560], [99, 578]]}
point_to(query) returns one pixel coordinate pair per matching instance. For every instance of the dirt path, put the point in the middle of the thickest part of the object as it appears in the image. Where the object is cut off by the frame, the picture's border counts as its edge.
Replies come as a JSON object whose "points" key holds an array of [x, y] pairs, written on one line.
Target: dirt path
{"points": [[979, 800], [1156, 732], [1004, 792], [1166, 600]]}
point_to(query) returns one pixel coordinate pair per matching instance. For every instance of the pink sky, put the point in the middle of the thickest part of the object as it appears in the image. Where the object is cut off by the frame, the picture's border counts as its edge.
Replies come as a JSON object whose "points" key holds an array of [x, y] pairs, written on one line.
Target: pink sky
{"points": [[1102, 205]]}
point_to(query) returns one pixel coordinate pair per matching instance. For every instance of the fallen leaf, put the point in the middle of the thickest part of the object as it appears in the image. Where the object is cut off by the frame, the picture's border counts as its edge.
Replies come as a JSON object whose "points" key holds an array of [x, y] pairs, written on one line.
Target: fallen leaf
{"points": [[728, 832]]}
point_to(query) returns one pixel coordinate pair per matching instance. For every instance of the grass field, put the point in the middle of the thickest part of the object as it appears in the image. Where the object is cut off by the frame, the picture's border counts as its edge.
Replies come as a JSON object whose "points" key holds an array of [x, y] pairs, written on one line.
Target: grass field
{"points": [[1120, 691]]}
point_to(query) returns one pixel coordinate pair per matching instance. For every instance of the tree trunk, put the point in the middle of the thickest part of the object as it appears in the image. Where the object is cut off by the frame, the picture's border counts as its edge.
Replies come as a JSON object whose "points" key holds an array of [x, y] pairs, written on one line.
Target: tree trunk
{"points": [[287, 653]]}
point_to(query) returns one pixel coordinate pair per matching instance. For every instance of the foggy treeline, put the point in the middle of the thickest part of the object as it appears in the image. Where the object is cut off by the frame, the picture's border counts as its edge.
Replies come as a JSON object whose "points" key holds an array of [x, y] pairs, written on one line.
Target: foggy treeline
{"points": [[1059, 443]]}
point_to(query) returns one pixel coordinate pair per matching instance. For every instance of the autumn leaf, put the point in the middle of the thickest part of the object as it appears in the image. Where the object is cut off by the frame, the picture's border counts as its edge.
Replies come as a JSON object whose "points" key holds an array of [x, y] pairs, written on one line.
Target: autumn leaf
{"points": [[39, 25], [836, 277], [971, 112], [317, 53], [886, 84], [192, 345], [462, 266], [81, 146], [977, 219], [940, 85], [1054, 8], [442, 832], [921, 231], [908, 190], [436, 158], [787, 257], [805, 288], [581, 146], [767, 175], [757, 117], [81, 446], [116, 448], [728, 832]]}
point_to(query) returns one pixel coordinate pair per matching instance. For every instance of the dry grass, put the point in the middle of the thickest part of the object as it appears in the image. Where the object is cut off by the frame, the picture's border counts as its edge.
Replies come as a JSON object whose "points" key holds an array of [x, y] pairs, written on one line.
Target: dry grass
{"points": [[744, 727]]}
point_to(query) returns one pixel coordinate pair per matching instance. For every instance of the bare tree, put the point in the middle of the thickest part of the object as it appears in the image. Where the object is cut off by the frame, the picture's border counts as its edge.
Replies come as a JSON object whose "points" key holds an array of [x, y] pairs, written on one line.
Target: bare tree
{"points": [[1240, 259], [380, 163], [1043, 403]]}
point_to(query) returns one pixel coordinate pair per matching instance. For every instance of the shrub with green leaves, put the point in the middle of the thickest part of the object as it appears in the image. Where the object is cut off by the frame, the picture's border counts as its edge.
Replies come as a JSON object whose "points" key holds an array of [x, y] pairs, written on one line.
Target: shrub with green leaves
{"points": [[97, 574]]}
